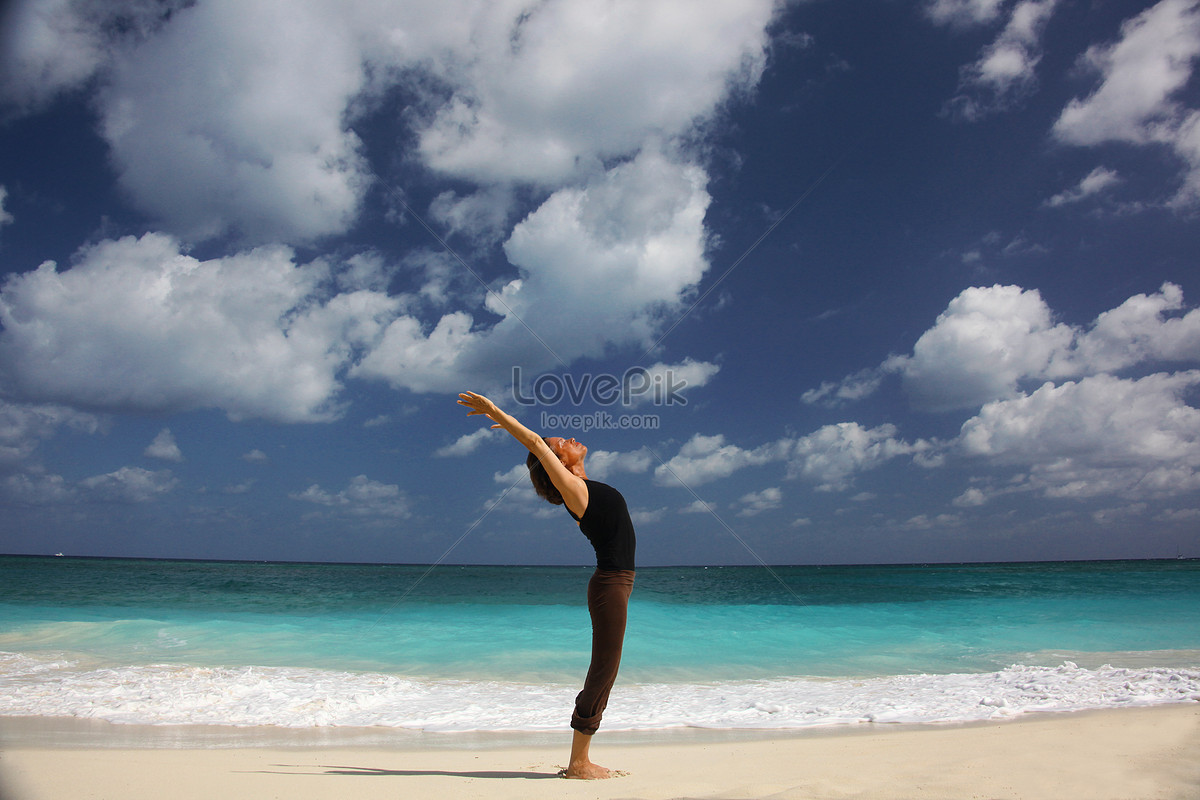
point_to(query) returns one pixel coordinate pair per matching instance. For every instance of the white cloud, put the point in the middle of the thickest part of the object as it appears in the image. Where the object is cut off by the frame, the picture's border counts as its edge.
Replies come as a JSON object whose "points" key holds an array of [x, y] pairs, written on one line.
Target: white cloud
{"points": [[363, 497], [668, 384], [214, 124], [1004, 73], [1142, 77], [48, 47], [599, 264], [642, 517], [1145, 328], [923, 522], [990, 341], [697, 507], [1087, 431], [546, 92], [831, 456], [164, 447], [709, 458], [853, 387], [482, 215], [602, 463], [239, 115], [755, 503], [1095, 182], [981, 347], [137, 325], [255, 457], [23, 427], [633, 236], [468, 443], [963, 12], [1101, 435], [130, 485], [970, 498], [37, 488]]}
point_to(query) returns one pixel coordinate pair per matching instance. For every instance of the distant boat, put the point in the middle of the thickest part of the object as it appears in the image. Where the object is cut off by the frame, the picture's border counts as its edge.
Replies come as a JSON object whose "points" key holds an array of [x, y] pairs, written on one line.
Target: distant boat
{"points": [[58, 554]]}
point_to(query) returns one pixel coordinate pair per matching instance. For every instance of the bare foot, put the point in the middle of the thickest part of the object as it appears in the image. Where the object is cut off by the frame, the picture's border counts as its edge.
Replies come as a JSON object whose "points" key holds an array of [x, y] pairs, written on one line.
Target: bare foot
{"points": [[587, 771]]}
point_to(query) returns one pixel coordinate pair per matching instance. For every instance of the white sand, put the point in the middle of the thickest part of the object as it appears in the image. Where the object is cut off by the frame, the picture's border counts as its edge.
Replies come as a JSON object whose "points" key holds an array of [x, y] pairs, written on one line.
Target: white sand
{"points": [[1130, 754]]}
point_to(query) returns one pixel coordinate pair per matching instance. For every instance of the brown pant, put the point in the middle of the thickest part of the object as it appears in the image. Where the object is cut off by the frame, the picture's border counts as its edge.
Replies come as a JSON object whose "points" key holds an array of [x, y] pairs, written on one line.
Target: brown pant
{"points": [[608, 602]]}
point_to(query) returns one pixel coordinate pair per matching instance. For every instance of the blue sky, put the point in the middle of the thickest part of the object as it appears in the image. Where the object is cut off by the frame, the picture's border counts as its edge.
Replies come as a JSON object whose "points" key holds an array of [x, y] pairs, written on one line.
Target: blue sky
{"points": [[916, 281]]}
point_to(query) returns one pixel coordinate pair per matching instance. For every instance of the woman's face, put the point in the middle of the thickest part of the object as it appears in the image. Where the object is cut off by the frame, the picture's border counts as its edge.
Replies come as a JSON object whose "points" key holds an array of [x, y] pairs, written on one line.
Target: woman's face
{"points": [[569, 451]]}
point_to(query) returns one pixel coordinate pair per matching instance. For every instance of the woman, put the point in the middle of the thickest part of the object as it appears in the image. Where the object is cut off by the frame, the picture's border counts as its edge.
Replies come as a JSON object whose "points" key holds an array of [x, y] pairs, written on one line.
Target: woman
{"points": [[556, 469]]}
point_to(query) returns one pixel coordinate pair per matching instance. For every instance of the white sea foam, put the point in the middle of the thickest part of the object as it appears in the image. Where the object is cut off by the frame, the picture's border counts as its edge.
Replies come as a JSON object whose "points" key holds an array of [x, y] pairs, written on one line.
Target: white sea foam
{"points": [[41, 685]]}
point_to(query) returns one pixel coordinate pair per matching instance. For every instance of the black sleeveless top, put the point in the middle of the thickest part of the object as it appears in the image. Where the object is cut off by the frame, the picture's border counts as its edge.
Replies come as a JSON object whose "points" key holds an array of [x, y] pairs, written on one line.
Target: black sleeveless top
{"points": [[607, 526]]}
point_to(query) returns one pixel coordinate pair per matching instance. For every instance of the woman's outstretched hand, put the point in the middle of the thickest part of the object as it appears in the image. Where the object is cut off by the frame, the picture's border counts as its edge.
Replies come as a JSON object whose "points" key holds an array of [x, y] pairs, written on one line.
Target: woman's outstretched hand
{"points": [[480, 405]]}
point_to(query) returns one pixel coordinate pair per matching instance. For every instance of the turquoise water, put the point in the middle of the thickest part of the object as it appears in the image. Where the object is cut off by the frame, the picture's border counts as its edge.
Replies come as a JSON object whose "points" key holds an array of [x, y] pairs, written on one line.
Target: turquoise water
{"points": [[410, 648], [687, 624]]}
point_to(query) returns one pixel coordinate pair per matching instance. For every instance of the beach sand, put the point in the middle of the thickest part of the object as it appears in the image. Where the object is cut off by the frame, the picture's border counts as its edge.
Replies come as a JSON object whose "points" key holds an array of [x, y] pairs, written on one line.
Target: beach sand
{"points": [[1131, 754]]}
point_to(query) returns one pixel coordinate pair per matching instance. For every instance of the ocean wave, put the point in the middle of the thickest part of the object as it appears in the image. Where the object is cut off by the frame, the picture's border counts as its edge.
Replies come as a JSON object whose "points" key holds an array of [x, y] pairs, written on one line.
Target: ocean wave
{"points": [[58, 686]]}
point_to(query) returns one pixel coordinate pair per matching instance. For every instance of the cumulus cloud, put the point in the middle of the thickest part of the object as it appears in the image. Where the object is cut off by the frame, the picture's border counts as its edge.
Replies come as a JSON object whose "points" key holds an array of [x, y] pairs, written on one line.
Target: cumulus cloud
{"points": [[603, 463], [755, 503], [215, 128], [1139, 100], [482, 215], [547, 92], [981, 347], [468, 443], [1145, 328], [964, 12], [363, 497], [130, 485], [1004, 74], [137, 325], [255, 457], [1049, 400], [992, 343], [709, 458], [233, 116], [831, 456], [667, 384], [1101, 435], [1094, 183], [599, 264], [48, 47], [24, 426], [853, 387], [35, 487], [164, 447]]}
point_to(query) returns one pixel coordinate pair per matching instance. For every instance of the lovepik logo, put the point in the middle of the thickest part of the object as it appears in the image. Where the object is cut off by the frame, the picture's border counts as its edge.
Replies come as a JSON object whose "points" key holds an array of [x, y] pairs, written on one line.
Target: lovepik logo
{"points": [[635, 385]]}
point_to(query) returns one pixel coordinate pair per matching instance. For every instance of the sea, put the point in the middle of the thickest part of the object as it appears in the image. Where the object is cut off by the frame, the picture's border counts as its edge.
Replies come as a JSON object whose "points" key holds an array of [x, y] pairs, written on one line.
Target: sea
{"points": [[458, 649]]}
